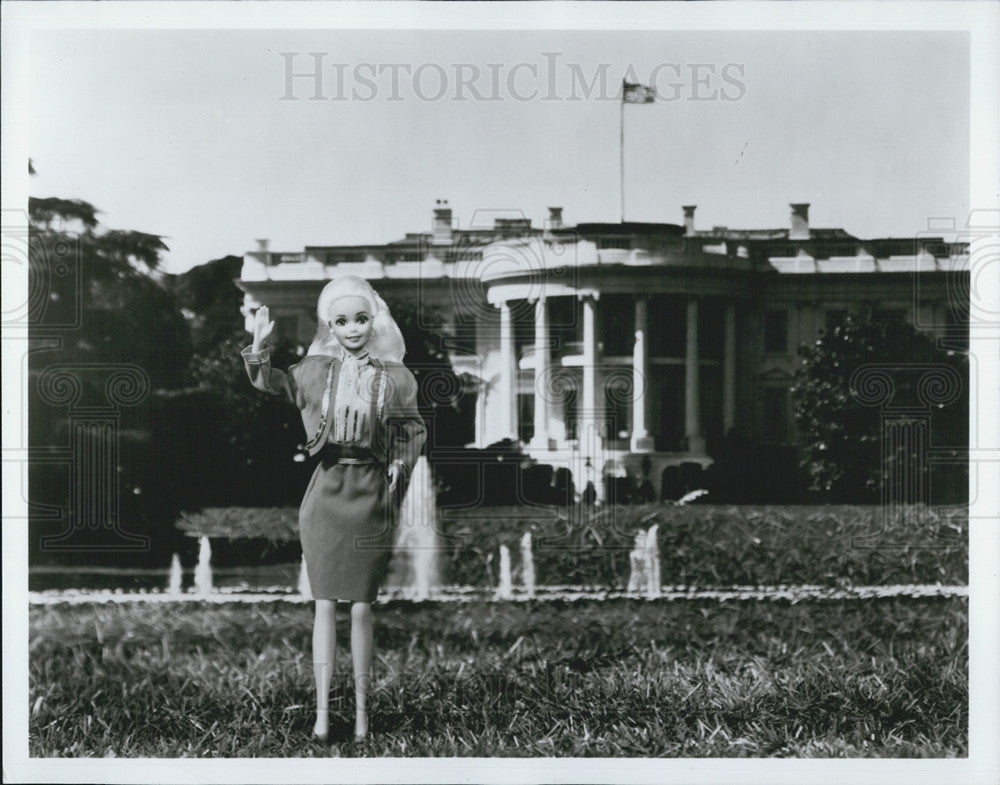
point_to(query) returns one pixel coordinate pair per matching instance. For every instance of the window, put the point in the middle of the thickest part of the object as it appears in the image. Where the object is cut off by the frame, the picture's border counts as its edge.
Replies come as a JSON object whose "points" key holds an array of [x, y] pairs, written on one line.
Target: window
{"points": [[711, 330], [775, 402], [523, 315], [667, 316], [618, 395], [525, 416], [565, 325], [616, 325], [667, 406], [571, 410], [710, 404], [775, 332]]}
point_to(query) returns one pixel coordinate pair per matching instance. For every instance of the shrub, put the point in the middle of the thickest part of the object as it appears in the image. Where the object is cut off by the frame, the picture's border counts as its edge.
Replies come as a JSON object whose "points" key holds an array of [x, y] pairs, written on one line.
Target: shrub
{"points": [[842, 442], [700, 545], [711, 545]]}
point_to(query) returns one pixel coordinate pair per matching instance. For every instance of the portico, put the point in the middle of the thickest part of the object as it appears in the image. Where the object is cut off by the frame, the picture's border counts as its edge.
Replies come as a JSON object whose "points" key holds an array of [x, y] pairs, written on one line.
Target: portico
{"points": [[575, 350]]}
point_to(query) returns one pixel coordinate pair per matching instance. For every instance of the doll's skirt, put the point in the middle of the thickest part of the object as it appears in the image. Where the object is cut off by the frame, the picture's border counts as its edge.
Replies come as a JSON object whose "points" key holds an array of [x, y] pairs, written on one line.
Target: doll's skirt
{"points": [[346, 525]]}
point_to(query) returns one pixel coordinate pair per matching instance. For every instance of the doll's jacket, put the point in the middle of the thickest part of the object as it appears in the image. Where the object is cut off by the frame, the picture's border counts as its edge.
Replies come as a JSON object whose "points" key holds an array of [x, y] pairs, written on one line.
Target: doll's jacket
{"points": [[398, 434]]}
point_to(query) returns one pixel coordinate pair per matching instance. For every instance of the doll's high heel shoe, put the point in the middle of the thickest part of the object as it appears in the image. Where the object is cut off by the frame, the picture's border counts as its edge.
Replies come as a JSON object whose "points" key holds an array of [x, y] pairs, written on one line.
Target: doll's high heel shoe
{"points": [[321, 730], [361, 719]]}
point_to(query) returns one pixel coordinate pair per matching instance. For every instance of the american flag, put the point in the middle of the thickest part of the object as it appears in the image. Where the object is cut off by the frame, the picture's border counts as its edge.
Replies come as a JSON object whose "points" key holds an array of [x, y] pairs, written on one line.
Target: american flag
{"points": [[637, 93]]}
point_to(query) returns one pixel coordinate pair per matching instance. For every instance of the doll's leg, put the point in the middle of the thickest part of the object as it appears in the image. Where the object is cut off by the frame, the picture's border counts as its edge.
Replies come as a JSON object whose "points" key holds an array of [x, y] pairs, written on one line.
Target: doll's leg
{"points": [[324, 659], [361, 653]]}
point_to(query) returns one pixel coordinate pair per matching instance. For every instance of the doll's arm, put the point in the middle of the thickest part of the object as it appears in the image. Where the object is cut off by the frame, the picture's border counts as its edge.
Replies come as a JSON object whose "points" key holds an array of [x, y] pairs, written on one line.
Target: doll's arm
{"points": [[264, 377], [257, 359], [407, 432]]}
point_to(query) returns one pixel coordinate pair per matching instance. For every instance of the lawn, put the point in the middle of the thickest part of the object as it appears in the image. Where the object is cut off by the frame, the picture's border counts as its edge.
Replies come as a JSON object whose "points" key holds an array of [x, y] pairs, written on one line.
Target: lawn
{"points": [[634, 678]]}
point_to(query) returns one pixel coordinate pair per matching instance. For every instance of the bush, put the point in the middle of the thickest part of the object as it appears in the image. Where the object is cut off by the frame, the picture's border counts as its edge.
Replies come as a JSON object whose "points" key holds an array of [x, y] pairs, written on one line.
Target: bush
{"points": [[705, 545], [278, 524], [840, 412], [701, 545]]}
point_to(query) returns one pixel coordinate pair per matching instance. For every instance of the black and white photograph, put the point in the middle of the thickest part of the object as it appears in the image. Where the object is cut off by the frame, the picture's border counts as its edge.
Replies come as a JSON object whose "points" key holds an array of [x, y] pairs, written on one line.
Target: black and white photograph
{"points": [[501, 392]]}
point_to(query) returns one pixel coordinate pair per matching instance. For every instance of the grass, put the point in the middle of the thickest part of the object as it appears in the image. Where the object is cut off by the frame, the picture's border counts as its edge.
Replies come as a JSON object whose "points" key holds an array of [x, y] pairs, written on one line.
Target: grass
{"points": [[873, 678]]}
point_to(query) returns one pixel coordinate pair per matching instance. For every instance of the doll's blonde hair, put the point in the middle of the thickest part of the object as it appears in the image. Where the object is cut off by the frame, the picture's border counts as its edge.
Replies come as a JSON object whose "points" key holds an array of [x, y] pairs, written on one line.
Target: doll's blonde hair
{"points": [[386, 341]]}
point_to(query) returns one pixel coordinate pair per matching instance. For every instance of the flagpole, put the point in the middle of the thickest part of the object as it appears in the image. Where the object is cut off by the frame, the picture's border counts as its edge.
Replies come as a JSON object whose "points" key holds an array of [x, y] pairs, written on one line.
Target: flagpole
{"points": [[621, 155]]}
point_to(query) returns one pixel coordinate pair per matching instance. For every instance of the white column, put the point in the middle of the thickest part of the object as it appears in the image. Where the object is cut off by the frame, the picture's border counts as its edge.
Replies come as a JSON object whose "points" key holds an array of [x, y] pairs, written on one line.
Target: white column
{"points": [[541, 438], [588, 403], [729, 371], [508, 372], [481, 440], [692, 416], [590, 444], [641, 440]]}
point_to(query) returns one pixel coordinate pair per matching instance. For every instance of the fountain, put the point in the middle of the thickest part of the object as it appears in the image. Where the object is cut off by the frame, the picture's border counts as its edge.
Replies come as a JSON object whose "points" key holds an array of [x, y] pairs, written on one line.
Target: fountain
{"points": [[505, 589], [304, 589], [527, 565], [644, 561], [415, 554], [637, 563], [653, 584], [203, 571], [174, 587]]}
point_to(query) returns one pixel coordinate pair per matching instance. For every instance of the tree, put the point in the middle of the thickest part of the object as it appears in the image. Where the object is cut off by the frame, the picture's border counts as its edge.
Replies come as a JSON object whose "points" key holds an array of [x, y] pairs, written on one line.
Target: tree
{"points": [[96, 289], [209, 298], [438, 387], [256, 457], [843, 453], [95, 306]]}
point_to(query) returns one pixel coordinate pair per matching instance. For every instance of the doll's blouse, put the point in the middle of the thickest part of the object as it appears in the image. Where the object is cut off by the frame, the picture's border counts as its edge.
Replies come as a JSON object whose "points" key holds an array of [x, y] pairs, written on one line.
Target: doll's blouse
{"points": [[392, 428], [352, 402]]}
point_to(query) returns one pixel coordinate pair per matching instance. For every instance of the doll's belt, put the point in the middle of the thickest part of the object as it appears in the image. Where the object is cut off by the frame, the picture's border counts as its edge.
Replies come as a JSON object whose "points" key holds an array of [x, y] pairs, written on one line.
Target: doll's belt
{"points": [[335, 453]]}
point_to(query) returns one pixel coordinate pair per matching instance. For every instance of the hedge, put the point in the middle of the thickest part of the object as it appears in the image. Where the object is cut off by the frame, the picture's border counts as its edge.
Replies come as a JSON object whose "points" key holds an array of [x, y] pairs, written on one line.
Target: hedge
{"points": [[700, 545]]}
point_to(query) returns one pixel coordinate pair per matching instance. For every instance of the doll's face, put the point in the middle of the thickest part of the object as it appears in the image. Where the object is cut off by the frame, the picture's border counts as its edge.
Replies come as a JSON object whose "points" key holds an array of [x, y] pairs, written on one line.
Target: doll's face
{"points": [[351, 322]]}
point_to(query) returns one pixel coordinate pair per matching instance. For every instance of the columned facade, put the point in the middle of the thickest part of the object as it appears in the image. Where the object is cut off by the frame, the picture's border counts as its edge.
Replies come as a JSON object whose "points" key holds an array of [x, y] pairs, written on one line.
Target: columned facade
{"points": [[571, 409], [582, 379]]}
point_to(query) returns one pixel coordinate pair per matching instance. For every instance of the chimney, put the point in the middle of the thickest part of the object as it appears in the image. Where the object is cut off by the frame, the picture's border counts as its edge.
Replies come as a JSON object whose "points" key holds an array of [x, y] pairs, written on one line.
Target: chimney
{"points": [[442, 223], [555, 217], [800, 221], [263, 253], [689, 218]]}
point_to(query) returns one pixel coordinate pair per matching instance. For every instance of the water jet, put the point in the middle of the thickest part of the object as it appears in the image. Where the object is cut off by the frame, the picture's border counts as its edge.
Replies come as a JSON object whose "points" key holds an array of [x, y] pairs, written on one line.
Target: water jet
{"points": [[203, 570]]}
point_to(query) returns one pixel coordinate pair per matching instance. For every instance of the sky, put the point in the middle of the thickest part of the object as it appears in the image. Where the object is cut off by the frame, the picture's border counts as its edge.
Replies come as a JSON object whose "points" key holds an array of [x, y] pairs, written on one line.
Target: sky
{"points": [[196, 135]]}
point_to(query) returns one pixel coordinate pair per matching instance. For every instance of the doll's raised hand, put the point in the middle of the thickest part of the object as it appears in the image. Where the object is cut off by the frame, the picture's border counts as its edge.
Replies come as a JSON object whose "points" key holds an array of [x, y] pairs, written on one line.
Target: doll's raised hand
{"points": [[262, 328], [393, 476]]}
